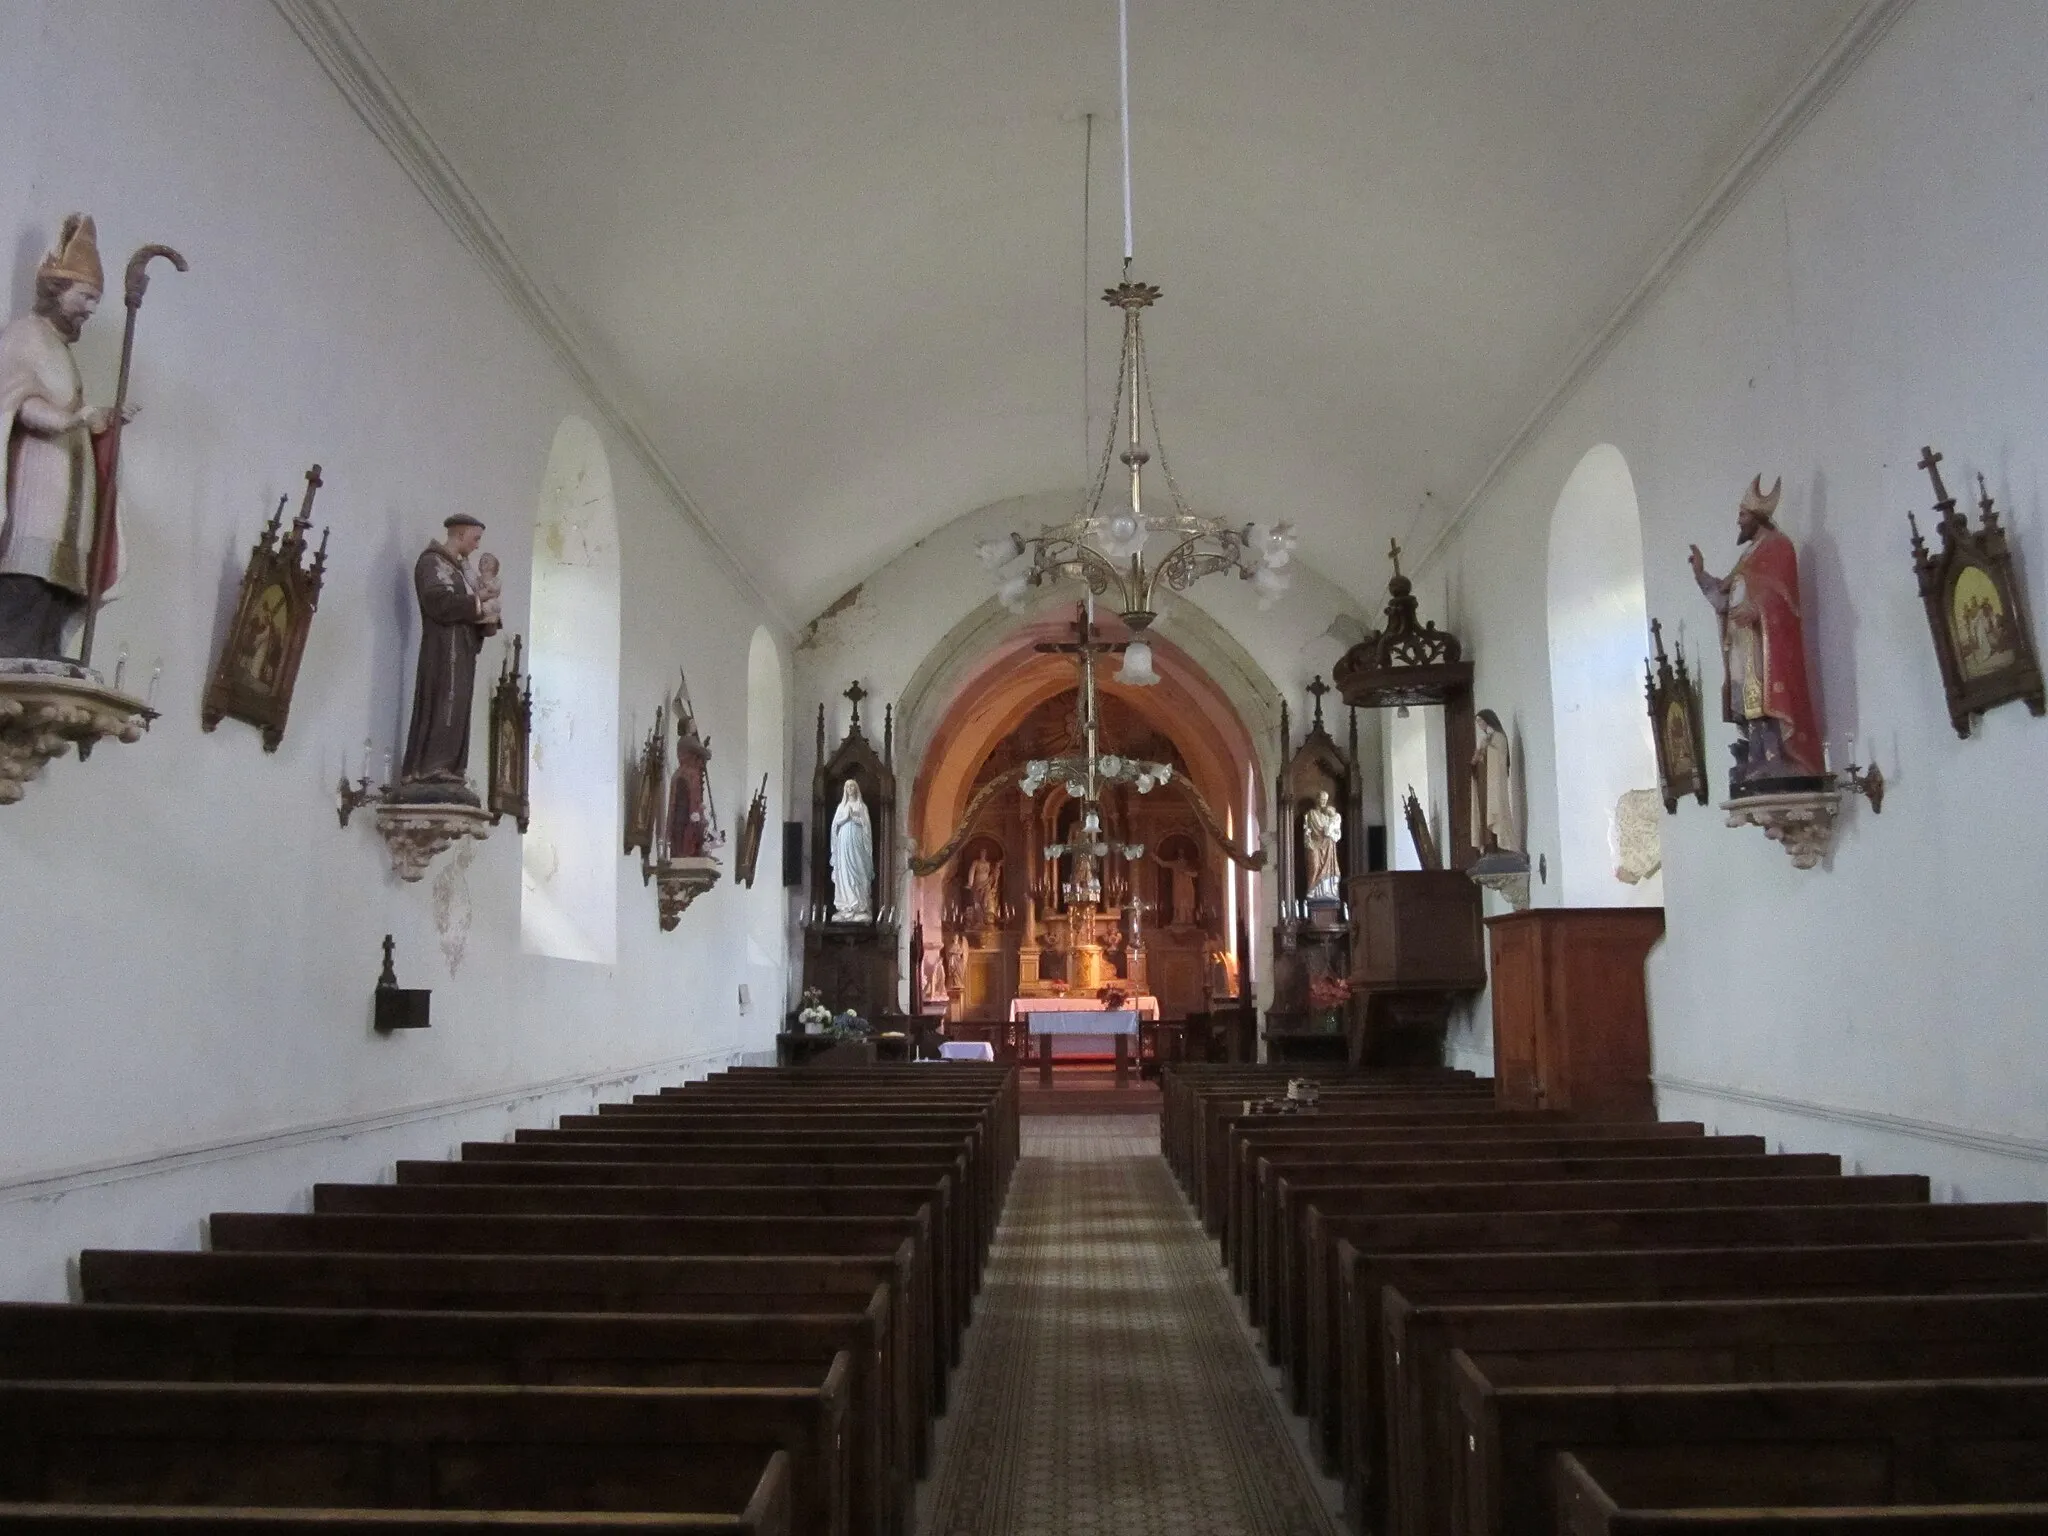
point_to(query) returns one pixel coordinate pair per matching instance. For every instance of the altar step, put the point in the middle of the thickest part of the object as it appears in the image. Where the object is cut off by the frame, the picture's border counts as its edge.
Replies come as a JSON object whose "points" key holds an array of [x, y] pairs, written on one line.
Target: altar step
{"points": [[1086, 1090]]}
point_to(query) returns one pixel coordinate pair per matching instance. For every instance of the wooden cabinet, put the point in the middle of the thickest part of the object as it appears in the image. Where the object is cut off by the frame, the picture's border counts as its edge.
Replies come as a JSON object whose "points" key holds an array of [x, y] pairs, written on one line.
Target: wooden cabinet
{"points": [[1571, 1017]]}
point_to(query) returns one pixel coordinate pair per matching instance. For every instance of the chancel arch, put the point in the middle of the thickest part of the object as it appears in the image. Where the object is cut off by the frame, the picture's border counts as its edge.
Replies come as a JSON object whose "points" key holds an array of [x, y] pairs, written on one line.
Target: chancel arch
{"points": [[999, 917], [569, 860], [1598, 631]]}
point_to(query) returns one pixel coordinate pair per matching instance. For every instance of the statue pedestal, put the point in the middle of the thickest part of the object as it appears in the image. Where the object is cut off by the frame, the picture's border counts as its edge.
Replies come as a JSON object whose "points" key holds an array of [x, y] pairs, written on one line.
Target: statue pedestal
{"points": [[419, 832], [46, 708], [678, 882], [1802, 823]]}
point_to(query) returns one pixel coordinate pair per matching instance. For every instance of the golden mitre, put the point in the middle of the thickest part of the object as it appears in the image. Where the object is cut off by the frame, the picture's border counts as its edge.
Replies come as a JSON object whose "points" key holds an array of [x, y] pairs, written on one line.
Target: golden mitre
{"points": [[77, 254], [1756, 500]]}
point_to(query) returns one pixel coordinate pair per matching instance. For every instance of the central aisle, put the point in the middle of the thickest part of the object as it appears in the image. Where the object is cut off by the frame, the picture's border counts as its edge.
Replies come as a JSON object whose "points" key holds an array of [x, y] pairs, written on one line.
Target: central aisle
{"points": [[1109, 1385]]}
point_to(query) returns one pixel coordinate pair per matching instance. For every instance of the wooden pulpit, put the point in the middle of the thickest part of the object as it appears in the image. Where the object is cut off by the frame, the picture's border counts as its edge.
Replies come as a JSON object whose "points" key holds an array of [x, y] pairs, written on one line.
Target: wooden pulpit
{"points": [[1415, 946], [1571, 1013]]}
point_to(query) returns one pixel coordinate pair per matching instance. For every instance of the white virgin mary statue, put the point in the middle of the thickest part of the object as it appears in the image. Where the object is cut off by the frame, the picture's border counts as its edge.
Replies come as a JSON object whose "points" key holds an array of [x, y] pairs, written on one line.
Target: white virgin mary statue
{"points": [[853, 858]]}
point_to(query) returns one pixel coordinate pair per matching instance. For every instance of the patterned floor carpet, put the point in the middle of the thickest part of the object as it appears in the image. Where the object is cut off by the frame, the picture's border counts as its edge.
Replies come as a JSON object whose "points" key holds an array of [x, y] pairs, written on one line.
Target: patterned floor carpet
{"points": [[1109, 1383]]}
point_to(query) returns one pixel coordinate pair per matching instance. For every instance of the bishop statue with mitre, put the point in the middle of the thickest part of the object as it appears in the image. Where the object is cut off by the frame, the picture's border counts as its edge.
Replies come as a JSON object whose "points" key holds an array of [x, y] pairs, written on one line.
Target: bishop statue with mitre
{"points": [[49, 474], [1764, 691]]}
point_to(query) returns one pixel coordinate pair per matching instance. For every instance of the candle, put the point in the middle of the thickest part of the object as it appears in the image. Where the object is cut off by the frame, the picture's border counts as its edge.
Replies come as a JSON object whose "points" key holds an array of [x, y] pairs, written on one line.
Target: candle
{"points": [[1827, 764], [155, 676], [120, 666], [387, 768]]}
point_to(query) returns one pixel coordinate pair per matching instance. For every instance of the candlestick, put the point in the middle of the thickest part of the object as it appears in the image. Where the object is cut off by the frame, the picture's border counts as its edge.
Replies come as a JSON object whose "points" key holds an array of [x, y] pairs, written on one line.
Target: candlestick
{"points": [[366, 759], [120, 666], [1827, 764], [387, 768], [156, 673]]}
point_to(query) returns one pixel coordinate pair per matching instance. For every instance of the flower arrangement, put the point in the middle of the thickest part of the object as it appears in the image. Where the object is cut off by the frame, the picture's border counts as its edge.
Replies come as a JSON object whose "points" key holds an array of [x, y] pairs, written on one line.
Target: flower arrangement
{"points": [[813, 1015], [1328, 992], [847, 1026], [1113, 998], [1059, 988]]}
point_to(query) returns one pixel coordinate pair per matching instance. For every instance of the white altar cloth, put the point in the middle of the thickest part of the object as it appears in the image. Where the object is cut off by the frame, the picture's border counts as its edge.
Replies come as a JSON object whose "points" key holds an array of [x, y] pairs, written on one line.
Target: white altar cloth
{"points": [[1076, 1021], [1020, 1007], [967, 1050]]}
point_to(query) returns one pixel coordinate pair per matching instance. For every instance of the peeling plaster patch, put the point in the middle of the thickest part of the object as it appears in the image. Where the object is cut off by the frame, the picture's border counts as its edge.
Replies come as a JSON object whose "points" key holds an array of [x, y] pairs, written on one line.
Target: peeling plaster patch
{"points": [[452, 908], [813, 634]]}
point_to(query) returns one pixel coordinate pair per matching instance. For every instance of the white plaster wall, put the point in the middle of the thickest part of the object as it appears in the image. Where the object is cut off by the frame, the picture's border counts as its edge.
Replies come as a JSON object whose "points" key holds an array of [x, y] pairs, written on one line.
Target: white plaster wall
{"points": [[1878, 287], [887, 629], [187, 939]]}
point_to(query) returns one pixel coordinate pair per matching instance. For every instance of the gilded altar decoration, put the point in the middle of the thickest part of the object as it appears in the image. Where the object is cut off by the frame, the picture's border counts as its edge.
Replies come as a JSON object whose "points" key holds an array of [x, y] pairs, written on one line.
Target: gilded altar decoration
{"points": [[1975, 609], [511, 736], [1676, 724], [258, 667]]}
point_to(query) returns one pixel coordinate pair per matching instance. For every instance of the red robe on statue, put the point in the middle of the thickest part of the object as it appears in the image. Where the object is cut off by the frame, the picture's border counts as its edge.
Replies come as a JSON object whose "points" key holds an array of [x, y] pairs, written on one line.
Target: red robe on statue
{"points": [[1762, 620]]}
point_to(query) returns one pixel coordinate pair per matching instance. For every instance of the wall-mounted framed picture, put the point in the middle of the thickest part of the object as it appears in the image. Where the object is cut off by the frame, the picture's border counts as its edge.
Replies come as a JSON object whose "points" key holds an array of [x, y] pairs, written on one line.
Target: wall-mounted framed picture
{"points": [[750, 836], [511, 736], [258, 667], [1976, 611], [1676, 725]]}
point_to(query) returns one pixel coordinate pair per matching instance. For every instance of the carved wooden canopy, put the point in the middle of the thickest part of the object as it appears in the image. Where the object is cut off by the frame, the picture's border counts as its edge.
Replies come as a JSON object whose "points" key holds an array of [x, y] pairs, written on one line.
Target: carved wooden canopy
{"points": [[1406, 661]]}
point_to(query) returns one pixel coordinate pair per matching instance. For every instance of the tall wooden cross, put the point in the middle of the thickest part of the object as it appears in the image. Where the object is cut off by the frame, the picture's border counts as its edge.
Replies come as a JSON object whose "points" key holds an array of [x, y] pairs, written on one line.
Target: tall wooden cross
{"points": [[854, 695], [1930, 461], [1084, 641], [1318, 688], [1394, 554]]}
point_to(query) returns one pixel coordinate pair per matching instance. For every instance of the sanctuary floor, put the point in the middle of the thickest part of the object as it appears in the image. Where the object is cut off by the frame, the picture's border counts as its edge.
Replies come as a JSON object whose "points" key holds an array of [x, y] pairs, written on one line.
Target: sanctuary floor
{"points": [[1109, 1383]]}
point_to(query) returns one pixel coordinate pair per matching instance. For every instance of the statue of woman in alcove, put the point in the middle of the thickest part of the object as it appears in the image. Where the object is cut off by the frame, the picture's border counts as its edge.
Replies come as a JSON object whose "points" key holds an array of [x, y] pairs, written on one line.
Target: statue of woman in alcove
{"points": [[853, 858]]}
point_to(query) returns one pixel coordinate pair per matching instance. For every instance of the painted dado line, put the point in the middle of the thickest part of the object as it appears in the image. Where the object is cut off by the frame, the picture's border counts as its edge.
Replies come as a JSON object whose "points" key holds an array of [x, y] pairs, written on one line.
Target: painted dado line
{"points": [[1999, 1144], [56, 1185]]}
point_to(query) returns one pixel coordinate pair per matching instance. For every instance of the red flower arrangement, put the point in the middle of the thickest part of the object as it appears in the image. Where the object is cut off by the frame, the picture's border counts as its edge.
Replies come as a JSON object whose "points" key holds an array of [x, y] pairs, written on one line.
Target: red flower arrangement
{"points": [[1113, 998], [1328, 992]]}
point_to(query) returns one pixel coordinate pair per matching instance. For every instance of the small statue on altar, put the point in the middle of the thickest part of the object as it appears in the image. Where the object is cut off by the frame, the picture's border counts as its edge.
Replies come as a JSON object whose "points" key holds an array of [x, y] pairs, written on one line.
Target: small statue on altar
{"points": [[985, 891], [1764, 692], [853, 858], [1322, 828], [1493, 796], [48, 438], [453, 628], [956, 962]]}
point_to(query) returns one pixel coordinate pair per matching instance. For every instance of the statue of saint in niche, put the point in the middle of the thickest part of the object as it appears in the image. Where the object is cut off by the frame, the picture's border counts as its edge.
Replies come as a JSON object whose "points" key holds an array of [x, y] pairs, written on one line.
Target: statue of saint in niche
{"points": [[1322, 829], [48, 437], [853, 858], [985, 890], [454, 623], [1764, 691], [1184, 893], [1493, 795]]}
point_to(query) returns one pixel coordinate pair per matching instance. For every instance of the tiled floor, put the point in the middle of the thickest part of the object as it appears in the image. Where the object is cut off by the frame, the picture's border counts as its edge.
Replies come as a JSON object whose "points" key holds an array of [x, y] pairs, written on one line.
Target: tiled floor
{"points": [[1110, 1384]]}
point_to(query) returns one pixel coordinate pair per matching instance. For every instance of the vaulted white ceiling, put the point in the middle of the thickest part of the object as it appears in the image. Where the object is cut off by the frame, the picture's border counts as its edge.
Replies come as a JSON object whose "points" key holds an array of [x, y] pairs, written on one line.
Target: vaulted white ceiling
{"points": [[829, 256]]}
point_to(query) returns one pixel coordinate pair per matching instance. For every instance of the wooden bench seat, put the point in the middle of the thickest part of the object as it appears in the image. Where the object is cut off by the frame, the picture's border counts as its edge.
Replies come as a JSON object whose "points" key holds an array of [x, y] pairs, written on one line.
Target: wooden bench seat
{"points": [[1257, 1186], [1593, 1213], [1830, 1265], [268, 1445], [766, 1514], [1741, 1339], [738, 1286], [130, 1343], [1857, 1442], [1597, 1498], [623, 1236]]}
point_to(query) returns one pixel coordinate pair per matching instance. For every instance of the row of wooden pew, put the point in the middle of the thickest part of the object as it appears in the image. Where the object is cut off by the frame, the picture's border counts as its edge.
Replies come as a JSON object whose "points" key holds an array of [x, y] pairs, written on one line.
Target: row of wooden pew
{"points": [[1518, 1322], [727, 1307]]}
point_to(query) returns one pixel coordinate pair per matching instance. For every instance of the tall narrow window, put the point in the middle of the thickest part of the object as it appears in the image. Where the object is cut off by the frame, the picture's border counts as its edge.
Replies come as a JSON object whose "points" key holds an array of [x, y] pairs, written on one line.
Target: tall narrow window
{"points": [[569, 895], [1599, 632], [767, 959]]}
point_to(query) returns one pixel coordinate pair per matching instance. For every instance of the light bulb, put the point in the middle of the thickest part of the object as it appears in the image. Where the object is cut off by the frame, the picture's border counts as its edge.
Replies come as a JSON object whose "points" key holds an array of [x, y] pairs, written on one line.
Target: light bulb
{"points": [[1270, 583], [1278, 545], [1011, 593], [994, 554], [1136, 672]]}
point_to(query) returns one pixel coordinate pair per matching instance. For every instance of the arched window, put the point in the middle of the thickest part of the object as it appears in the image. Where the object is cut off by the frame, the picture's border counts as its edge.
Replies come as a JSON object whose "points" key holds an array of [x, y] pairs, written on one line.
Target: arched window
{"points": [[1599, 632], [767, 958], [569, 895]]}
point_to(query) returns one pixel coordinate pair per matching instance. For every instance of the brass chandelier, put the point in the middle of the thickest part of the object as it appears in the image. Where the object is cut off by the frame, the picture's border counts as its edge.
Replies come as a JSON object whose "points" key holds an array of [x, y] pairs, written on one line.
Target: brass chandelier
{"points": [[1105, 547]]}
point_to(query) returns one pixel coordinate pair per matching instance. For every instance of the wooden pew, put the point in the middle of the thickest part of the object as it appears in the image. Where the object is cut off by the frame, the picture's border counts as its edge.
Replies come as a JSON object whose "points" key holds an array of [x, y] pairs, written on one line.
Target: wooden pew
{"points": [[746, 1286], [1857, 1442], [1359, 1160], [1584, 1213], [1590, 1502], [1839, 1338], [621, 1236], [766, 1514], [270, 1445], [1280, 1220], [1828, 1261], [954, 1261], [125, 1343]]}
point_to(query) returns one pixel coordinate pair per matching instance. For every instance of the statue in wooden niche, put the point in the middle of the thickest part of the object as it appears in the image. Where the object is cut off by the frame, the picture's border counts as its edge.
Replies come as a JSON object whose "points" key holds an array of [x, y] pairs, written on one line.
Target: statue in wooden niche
{"points": [[1322, 829], [1764, 692], [853, 857]]}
